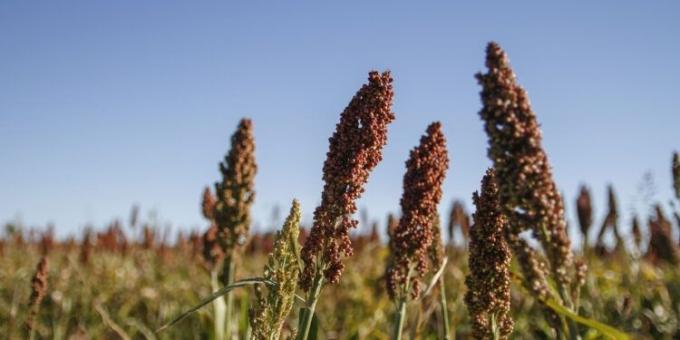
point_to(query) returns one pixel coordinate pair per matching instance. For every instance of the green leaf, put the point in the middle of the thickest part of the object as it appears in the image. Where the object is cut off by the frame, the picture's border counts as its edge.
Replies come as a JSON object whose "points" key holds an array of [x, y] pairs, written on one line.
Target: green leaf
{"points": [[222, 291], [594, 324]]}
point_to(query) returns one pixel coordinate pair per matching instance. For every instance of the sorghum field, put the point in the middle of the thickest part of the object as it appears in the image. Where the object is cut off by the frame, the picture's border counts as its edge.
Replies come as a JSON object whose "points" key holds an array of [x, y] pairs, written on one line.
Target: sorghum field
{"points": [[508, 268]]}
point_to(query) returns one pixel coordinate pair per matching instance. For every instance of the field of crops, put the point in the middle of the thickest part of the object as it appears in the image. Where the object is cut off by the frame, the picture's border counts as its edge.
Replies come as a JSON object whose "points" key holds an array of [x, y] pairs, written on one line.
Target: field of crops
{"points": [[503, 268]]}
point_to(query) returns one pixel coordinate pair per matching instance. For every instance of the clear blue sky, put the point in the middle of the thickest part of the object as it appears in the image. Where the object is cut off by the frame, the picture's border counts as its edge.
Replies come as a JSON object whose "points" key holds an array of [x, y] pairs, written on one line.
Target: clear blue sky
{"points": [[108, 103]]}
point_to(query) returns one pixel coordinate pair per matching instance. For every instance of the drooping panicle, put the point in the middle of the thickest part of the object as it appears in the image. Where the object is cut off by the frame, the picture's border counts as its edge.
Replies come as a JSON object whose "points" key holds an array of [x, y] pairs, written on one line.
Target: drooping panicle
{"points": [[584, 209], [236, 192], [270, 310], [528, 194], [425, 172], [488, 283], [38, 292], [355, 149]]}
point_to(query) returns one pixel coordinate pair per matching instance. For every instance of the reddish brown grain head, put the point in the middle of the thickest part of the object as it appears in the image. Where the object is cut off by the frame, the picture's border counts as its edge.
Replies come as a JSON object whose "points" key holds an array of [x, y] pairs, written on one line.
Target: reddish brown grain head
{"points": [[236, 192], [527, 192], [208, 204], [489, 260], [355, 149], [38, 291], [584, 209], [425, 172]]}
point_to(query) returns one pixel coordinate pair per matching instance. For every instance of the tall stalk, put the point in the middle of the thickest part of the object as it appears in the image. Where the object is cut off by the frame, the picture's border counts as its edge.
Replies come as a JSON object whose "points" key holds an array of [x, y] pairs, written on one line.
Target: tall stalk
{"points": [[228, 279], [444, 307], [218, 307], [310, 306], [399, 318]]}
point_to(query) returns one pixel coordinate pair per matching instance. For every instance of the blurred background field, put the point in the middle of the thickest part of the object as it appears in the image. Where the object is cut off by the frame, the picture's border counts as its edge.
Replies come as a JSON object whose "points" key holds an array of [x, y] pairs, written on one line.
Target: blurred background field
{"points": [[126, 281]]}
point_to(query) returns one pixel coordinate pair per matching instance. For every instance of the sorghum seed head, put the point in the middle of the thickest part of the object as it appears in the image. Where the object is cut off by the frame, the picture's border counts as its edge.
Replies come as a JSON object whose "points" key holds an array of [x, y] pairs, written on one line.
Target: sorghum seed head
{"points": [[527, 192], [38, 290], [425, 172], [437, 251], [212, 251], [355, 149], [488, 282], [458, 217], [269, 312], [208, 204], [661, 246], [584, 208], [236, 191], [637, 232]]}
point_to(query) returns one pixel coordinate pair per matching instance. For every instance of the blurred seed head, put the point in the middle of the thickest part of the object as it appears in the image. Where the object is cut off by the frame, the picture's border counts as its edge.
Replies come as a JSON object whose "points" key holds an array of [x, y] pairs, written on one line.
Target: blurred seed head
{"points": [[425, 172], [584, 208], [488, 282], [236, 192]]}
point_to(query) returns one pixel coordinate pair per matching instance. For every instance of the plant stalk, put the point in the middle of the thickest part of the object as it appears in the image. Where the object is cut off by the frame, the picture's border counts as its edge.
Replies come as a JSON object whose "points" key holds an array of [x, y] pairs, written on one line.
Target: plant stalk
{"points": [[218, 306], [445, 308], [228, 279], [399, 317], [308, 311]]}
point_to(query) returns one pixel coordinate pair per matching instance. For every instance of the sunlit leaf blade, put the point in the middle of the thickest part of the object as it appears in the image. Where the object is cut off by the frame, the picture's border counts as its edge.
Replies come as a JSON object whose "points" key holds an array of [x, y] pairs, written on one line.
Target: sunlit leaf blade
{"points": [[215, 295], [594, 324]]}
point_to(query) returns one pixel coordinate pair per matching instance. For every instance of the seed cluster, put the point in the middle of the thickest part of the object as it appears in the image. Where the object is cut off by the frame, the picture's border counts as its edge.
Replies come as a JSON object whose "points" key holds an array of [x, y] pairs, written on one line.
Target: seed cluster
{"points": [[425, 172], [458, 218], [661, 246], [611, 221], [270, 310], [528, 194], [488, 282], [584, 209], [355, 149], [38, 291], [236, 191]]}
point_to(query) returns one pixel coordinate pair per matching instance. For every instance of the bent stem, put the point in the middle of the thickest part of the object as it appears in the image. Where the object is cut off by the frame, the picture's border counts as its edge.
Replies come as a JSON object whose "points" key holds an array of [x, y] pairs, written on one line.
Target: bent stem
{"points": [[308, 311]]}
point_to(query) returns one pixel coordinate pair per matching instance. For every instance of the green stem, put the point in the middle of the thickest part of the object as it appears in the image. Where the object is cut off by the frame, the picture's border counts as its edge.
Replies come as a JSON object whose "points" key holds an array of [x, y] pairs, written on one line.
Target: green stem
{"points": [[308, 311], [218, 306], [445, 309], [228, 279], [399, 318]]}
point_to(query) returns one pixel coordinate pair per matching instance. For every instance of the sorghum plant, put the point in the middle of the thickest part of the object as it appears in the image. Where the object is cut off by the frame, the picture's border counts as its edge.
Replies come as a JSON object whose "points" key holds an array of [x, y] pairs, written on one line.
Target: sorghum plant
{"points": [[458, 218], [527, 192], [437, 258], [38, 291], [584, 209], [488, 295], [235, 195], [637, 233], [355, 149], [611, 221], [283, 268], [425, 172], [661, 246]]}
